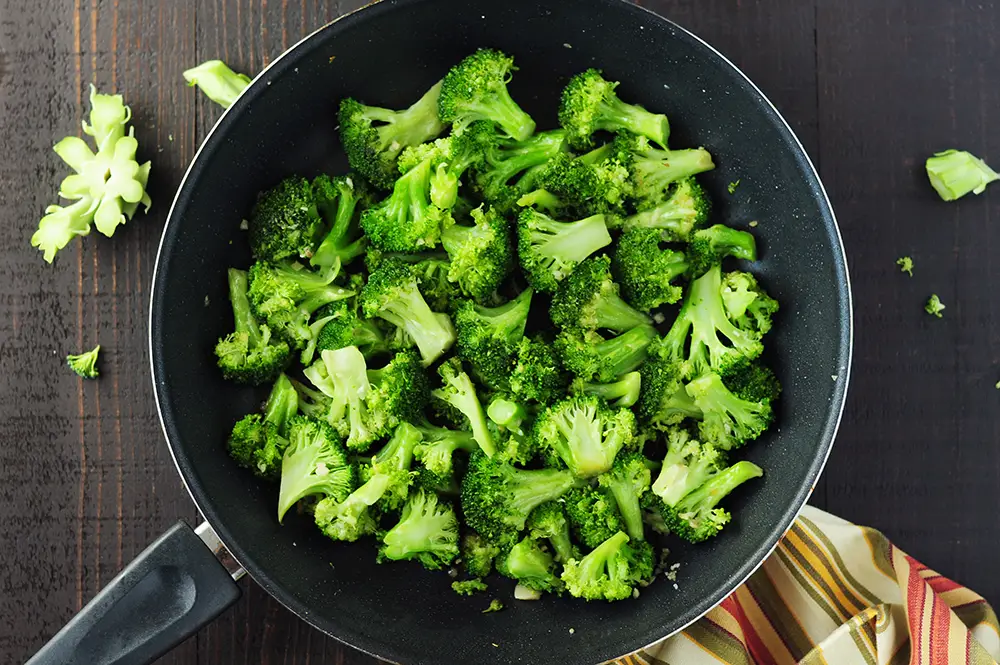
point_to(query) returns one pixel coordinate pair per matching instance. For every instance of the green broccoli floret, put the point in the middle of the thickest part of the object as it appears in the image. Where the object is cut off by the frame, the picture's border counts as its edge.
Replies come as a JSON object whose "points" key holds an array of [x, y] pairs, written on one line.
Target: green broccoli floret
{"points": [[482, 256], [512, 430], [628, 480], [622, 393], [748, 306], [588, 300], [458, 391], [905, 264], [478, 554], [585, 432], [450, 158], [598, 182], [663, 399], [537, 374], [532, 566], [591, 356], [728, 420], [548, 521], [249, 355], [352, 518], [550, 250], [427, 531], [285, 223], [85, 364], [219, 83], [753, 382], [339, 201], [703, 319], [543, 200], [511, 168], [407, 221], [392, 293], [437, 449], [374, 137], [655, 170], [258, 443], [934, 306], [345, 328], [592, 514], [488, 337], [476, 89], [954, 173], [708, 247], [590, 104], [468, 587], [495, 606], [687, 209], [314, 462], [497, 498], [611, 571], [647, 269]]}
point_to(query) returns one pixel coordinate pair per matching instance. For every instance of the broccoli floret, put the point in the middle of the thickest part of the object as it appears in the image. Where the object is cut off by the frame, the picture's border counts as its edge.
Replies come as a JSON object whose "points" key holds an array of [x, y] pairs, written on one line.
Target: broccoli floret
{"points": [[478, 554], [511, 168], [704, 319], [512, 432], [373, 137], [537, 374], [663, 399], [591, 356], [258, 443], [708, 247], [427, 531], [458, 391], [622, 393], [598, 182], [339, 201], [592, 515], [687, 209], [352, 518], [905, 264], [749, 307], [482, 256], [314, 462], [647, 269], [954, 173], [450, 158], [934, 306], [588, 300], [550, 250], [407, 221], [728, 420], [85, 364], [753, 382], [468, 587], [655, 170], [543, 200], [249, 355], [549, 521], [611, 571], [532, 566], [488, 337], [497, 498], [476, 89], [392, 293], [345, 328], [590, 104], [437, 449], [495, 606], [285, 222], [585, 432], [219, 83], [628, 480]]}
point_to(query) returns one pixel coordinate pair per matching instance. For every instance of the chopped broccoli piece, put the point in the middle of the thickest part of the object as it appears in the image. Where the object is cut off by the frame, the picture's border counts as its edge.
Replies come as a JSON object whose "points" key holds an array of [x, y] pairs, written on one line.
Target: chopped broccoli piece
{"points": [[655, 170], [663, 399], [258, 443], [905, 264], [476, 89], [590, 104], [478, 554], [687, 209], [747, 305], [285, 222], [622, 393], [339, 201], [495, 606], [407, 221], [585, 432], [934, 306], [550, 250], [592, 514], [532, 566], [627, 480], [314, 462], [954, 173], [512, 430], [733, 185], [344, 327], [85, 364], [458, 391], [511, 168], [647, 270], [544, 200], [488, 337], [595, 183], [549, 521], [437, 449], [708, 247], [219, 83], [249, 355], [482, 256], [450, 158], [468, 587], [374, 137], [588, 300], [352, 518], [728, 420], [611, 571], [537, 374], [590, 356], [427, 531]]}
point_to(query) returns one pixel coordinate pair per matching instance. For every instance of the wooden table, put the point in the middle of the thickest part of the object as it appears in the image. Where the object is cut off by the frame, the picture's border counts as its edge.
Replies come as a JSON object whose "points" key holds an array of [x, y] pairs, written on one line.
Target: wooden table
{"points": [[871, 86]]}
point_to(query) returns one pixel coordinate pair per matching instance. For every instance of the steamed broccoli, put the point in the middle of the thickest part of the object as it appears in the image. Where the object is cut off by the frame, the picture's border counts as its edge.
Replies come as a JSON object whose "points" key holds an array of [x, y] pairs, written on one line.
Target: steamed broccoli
{"points": [[482, 255], [753, 382], [374, 137], [728, 420], [478, 554], [468, 587], [611, 571], [512, 430], [258, 442], [436, 451], [450, 158], [590, 104], [708, 247], [622, 393], [934, 306], [591, 356], [647, 269], [588, 300], [476, 89], [544, 201], [531, 565], [585, 432], [392, 293], [549, 521], [592, 515], [345, 328], [747, 305], [511, 168], [407, 221], [458, 392], [654, 170], [595, 183], [627, 480], [488, 337], [314, 462], [663, 399], [339, 201], [427, 531], [249, 355], [687, 209], [550, 250], [285, 222], [537, 374], [497, 498], [85, 364]]}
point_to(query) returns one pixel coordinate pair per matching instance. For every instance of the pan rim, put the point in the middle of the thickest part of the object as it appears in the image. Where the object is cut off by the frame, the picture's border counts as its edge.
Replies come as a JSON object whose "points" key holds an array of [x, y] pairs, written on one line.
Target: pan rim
{"points": [[799, 501]]}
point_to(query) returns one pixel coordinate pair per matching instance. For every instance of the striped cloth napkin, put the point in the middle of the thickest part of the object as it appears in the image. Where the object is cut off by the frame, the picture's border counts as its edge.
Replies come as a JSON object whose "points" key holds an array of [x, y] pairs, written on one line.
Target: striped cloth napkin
{"points": [[834, 593]]}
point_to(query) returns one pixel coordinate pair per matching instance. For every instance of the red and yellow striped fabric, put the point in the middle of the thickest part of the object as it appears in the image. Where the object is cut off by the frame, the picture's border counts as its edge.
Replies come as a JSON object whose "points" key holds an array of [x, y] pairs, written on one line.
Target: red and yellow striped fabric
{"points": [[834, 593]]}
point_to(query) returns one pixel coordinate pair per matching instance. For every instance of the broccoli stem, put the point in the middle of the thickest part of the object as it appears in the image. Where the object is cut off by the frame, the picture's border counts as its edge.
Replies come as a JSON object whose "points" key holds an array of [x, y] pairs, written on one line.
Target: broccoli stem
{"points": [[705, 497], [658, 169], [530, 489], [574, 241], [433, 333], [614, 313], [622, 393], [507, 414], [239, 285], [504, 111], [624, 353], [628, 505], [411, 126], [638, 120], [282, 403]]}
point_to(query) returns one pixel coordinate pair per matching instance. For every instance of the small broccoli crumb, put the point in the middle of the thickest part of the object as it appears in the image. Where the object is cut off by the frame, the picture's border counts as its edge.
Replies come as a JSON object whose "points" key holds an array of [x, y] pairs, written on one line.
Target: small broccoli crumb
{"points": [[905, 264], [85, 364], [733, 185], [572, 630], [997, 386], [934, 306], [207, 301], [468, 587], [753, 224], [495, 606], [244, 225]]}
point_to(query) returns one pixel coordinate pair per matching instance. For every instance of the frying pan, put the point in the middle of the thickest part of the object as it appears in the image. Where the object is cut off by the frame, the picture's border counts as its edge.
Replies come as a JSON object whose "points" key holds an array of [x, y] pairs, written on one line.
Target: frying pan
{"points": [[388, 54]]}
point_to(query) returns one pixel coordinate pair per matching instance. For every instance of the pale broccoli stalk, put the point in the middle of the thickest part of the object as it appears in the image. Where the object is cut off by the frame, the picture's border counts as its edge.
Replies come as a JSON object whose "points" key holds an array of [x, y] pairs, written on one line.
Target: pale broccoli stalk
{"points": [[954, 173], [220, 83]]}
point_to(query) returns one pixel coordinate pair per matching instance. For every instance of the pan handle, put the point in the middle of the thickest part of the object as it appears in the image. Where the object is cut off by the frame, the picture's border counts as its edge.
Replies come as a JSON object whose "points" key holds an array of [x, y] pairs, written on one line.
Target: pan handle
{"points": [[173, 588]]}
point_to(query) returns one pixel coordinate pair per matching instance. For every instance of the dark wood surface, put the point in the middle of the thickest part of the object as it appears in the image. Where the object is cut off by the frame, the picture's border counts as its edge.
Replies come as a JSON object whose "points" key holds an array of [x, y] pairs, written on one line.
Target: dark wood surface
{"points": [[871, 86]]}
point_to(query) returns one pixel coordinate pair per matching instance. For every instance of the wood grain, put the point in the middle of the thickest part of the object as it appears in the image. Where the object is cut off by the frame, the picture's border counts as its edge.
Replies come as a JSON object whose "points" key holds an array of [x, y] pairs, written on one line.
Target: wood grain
{"points": [[871, 87]]}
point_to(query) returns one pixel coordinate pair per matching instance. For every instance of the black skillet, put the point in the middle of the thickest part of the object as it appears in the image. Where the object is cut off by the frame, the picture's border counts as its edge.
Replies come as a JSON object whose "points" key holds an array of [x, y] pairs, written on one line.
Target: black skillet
{"points": [[388, 54]]}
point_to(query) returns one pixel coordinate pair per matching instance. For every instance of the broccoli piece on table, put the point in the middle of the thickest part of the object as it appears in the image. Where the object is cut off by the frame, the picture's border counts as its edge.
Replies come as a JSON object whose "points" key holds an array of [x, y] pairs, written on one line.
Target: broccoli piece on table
{"points": [[219, 83], [482, 255], [488, 337], [590, 104], [340, 201], [748, 306], [459, 393], [611, 571], [627, 480], [468, 587], [549, 250], [285, 222], [955, 173], [591, 356], [647, 269], [374, 137], [392, 293], [663, 398], [511, 168], [934, 306], [905, 264], [588, 300], [407, 221], [478, 554], [585, 432], [532, 566], [728, 420], [592, 514], [258, 442], [476, 89], [687, 209], [708, 247], [548, 521], [537, 374], [622, 393], [427, 531], [85, 364], [249, 355], [315, 462]]}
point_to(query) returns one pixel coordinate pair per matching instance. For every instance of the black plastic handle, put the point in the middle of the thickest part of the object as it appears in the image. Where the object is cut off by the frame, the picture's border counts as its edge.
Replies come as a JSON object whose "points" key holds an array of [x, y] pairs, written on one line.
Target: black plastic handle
{"points": [[172, 589]]}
